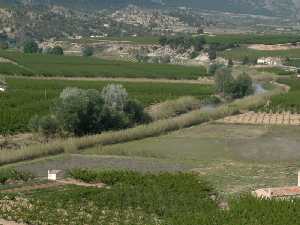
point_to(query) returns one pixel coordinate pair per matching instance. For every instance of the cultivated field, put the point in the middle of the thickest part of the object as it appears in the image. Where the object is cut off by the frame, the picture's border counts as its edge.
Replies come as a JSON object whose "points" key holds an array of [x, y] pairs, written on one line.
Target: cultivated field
{"points": [[27, 97], [75, 66], [285, 118], [242, 52]]}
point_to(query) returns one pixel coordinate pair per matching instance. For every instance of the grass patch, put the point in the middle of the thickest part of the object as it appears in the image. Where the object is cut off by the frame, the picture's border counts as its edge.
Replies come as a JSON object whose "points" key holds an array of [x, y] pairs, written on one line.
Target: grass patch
{"points": [[287, 101], [26, 97], [75, 66]]}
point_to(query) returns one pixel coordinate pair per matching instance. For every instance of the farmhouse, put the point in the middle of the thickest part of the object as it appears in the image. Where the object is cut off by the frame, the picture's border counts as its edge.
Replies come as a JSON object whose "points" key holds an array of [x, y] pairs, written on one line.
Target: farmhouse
{"points": [[279, 192], [272, 61]]}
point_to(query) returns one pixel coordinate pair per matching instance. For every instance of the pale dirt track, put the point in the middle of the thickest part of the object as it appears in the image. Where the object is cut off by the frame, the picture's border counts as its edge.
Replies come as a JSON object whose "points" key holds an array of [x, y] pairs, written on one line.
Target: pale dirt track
{"points": [[120, 79]]}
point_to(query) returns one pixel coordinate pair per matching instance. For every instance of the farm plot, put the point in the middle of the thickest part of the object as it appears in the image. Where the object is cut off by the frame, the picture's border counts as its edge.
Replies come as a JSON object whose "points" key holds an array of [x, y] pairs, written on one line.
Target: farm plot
{"points": [[242, 52], [285, 118], [72, 66], [287, 101], [27, 97]]}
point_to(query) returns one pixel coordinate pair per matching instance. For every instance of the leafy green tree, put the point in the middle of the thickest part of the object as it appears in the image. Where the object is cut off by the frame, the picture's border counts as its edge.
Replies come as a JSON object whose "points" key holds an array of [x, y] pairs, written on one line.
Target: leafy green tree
{"points": [[213, 68], [224, 81], [30, 47], [243, 86], [79, 111], [246, 60], [212, 54], [199, 42], [88, 51]]}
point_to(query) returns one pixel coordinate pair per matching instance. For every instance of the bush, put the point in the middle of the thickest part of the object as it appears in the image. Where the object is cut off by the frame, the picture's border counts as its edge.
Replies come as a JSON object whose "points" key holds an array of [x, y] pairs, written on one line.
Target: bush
{"points": [[213, 68], [243, 86], [88, 51], [15, 175], [79, 111], [136, 113], [31, 47], [48, 126], [57, 50]]}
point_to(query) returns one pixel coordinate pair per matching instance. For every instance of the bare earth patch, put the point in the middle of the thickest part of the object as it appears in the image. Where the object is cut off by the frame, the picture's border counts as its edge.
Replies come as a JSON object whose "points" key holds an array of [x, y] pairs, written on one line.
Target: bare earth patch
{"points": [[279, 47]]}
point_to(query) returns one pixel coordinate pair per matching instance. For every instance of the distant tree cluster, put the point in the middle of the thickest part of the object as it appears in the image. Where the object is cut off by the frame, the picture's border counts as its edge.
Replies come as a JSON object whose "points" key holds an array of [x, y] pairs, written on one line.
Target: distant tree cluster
{"points": [[231, 87], [80, 112], [88, 51], [183, 42], [57, 50]]}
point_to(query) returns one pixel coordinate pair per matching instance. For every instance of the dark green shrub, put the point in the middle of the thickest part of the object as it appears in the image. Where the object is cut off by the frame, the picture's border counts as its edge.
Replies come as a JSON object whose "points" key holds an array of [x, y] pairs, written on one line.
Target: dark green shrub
{"points": [[15, 175], [31, 47], [88, 51]]}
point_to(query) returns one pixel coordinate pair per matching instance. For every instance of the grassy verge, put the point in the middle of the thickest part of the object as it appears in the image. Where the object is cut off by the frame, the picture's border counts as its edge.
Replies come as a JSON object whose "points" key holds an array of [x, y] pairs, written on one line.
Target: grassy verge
{"points": [[140, 132], [75, 66], [173, 108]]}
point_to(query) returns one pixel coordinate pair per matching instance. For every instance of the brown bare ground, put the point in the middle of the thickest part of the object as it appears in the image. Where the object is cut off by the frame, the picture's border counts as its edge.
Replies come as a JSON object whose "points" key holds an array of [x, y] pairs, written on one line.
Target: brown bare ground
{"points": [[279, 47], [285, 118]]}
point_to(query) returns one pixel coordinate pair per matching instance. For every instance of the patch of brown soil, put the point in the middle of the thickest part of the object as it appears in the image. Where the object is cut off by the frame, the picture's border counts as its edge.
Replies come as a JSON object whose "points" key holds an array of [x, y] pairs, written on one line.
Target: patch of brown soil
{"points": [[70, 181], [279, 47]]}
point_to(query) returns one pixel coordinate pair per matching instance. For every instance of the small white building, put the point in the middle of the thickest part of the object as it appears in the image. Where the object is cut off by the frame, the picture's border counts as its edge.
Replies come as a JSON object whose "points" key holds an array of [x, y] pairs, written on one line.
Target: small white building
{"points": [[271, 61], [53, 175]]}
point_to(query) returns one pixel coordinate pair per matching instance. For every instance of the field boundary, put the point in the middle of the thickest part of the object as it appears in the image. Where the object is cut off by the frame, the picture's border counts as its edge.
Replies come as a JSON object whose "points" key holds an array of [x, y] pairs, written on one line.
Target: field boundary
{"points": [[200, 81]]}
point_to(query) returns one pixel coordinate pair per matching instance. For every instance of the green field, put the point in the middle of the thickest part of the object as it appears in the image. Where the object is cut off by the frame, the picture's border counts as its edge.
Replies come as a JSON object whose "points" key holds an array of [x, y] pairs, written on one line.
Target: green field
{"points": [[240, 53], [75, 66], [276, 70], [294, 62], [26, 97], [289, 101]]}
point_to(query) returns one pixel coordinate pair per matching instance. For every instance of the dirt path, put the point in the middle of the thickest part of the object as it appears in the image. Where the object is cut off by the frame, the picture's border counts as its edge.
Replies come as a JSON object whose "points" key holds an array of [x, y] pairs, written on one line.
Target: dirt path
{"points": [[6, 222], [33, 187], [120, 79]]}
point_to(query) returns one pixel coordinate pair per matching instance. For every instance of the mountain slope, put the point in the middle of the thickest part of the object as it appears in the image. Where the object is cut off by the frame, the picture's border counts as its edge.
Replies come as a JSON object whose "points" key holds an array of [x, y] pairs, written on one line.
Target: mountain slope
{"points": [[260, 7]]}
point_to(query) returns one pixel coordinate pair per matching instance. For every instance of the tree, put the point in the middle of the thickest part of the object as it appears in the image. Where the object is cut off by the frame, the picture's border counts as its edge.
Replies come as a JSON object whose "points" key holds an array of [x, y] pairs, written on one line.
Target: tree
{"points": [[230, 63], [57, 50], [246, 60], [243, 86], [88, 51], [199, 42], [213, 68], [30, 47], [212, 53], [224, 81], [79, 111], [115, 96], [163, 41]]}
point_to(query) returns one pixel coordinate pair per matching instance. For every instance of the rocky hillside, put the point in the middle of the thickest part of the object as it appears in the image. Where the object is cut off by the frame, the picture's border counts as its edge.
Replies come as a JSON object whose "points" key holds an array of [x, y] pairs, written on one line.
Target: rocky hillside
{"points": [[260, 7]]}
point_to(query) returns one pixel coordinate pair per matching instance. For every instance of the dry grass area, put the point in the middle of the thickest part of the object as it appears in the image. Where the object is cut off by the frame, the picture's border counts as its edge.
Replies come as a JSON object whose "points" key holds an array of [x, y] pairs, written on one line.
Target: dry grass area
{"points": [[286, 118]]}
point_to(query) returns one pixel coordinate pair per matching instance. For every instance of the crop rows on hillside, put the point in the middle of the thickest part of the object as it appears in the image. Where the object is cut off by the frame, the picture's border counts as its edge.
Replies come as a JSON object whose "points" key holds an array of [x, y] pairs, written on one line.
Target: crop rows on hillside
{"points": [[74, 66], [26, 97]]}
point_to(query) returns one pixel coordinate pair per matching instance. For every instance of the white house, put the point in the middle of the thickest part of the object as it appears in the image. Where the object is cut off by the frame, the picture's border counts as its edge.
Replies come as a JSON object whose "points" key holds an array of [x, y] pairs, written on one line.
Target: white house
{"points": [[272, 61]]}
